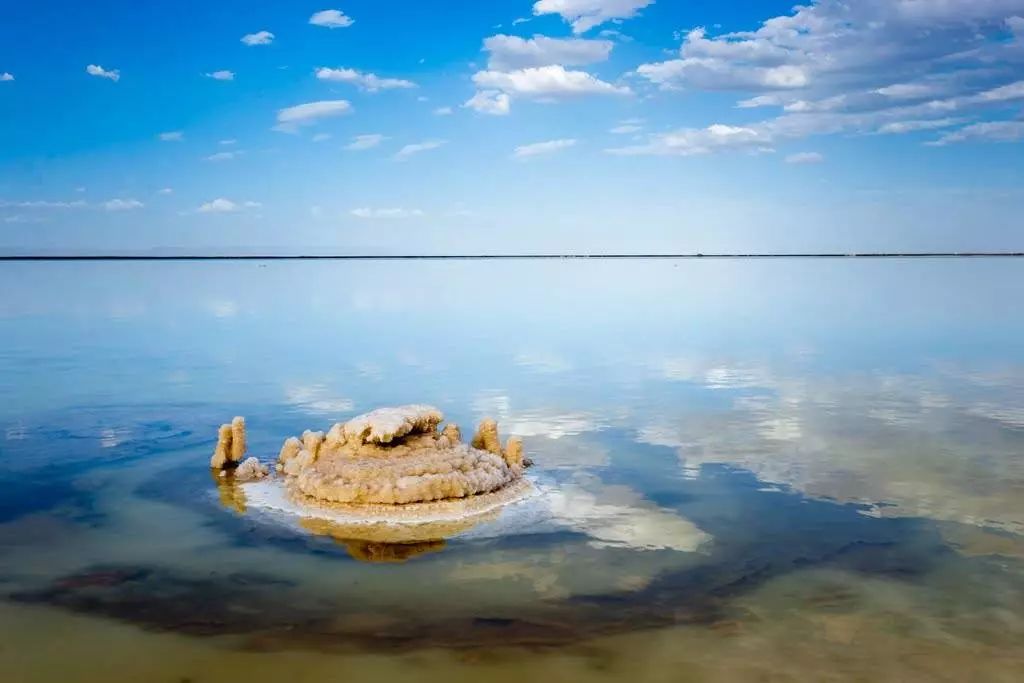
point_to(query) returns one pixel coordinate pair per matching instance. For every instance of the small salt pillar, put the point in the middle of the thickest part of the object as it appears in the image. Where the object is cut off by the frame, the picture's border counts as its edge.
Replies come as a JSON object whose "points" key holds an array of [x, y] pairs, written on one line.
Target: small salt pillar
{"points": [[237, 439], [514, 451], [312, 442], [289, 449], [451, 430], [486, 437], [222, 453]]}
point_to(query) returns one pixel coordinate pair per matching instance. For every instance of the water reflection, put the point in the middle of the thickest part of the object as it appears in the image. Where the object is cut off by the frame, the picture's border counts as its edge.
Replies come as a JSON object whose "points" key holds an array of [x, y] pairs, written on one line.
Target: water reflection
{"points": [[747, 470]]}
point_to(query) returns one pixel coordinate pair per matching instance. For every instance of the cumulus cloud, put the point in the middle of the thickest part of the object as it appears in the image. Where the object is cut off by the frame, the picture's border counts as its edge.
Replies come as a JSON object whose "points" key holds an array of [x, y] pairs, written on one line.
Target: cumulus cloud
{"points": [[586, 14], [496, 89], [866, 67], [290, 118], [6, 76], [365, 81], [122, 204], [361, 142], [989, 131], [541, 148], [545, 82], [805, 158], [172, 136], [258, 38], [100, 72], [331, 18], [222, 205], [366, 212], [493, 102], [695, 141], [222, 75], [513, 52], [419, 147]]}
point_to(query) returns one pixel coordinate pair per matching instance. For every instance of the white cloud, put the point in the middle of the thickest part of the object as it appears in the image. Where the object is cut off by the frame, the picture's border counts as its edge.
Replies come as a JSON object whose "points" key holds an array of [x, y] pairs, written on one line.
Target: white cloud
{"points": [[366, 81], [331, 18], [586, 14], [122, 204], [990, 131], [868, 67], [805, 158], [443, 111], [258, 38], [321, 137], [290, 118], [910, 91], [1011, 91], [219, 205], [418, 147], [880, 50], [367, 212], [228, 141], [165, 190], [492, 102], [545, 82], [694, 141], [513, 52], [40, 204], [99, 71], [520, 20], [6, 76], [222, 75], [361, 142], [626, 128], [539, 148], [172, 136], [223, 156], [900, 127]]}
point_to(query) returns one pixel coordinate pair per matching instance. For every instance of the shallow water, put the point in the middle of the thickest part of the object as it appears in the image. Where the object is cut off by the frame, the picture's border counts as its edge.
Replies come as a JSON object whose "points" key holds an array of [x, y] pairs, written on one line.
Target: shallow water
{"points": [[784, 470]]}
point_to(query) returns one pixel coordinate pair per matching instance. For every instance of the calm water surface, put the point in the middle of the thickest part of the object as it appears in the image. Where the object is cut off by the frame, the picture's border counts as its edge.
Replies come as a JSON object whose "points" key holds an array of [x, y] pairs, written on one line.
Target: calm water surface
{"points": [[748, 471]]}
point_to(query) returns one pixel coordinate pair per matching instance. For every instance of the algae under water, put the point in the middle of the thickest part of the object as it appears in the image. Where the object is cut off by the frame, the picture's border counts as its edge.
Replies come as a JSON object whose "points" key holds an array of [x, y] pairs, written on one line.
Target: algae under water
{"points": [[743, 471]]}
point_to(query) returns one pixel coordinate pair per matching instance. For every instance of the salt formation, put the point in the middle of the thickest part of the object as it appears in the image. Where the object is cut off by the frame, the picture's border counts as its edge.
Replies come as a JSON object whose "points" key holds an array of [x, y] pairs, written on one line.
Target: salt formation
{"points": [[230, 445], [231, 449], [250, 470], [396, 456]]}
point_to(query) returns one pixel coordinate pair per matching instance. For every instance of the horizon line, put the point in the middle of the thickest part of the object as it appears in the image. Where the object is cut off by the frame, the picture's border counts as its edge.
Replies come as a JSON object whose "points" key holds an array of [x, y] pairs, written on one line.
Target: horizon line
{"points": [[441, 257]]}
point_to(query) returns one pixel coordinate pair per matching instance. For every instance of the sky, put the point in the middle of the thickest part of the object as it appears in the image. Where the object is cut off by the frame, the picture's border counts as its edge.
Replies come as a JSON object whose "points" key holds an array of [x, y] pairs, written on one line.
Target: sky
{"points": [[584, 126]]}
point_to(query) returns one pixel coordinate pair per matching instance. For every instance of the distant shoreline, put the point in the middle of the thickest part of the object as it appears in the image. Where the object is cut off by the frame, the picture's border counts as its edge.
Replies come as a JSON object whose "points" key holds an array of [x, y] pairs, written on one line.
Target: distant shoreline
{"points": [[444, 257]]}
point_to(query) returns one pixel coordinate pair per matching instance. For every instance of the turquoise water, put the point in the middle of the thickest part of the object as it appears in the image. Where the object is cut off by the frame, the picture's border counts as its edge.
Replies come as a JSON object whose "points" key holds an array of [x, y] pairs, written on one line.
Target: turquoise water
{"points": [[781, 470]]}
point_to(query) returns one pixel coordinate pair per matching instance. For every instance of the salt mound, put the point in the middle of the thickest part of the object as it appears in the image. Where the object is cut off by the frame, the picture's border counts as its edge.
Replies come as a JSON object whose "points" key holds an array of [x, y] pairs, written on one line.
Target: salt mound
{"points": [[389, 456], [398, 456]]}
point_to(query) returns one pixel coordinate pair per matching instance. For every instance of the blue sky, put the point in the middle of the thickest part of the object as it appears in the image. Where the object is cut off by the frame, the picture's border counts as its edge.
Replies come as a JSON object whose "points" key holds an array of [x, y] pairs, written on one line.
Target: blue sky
{"points": [[557, 125]]}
